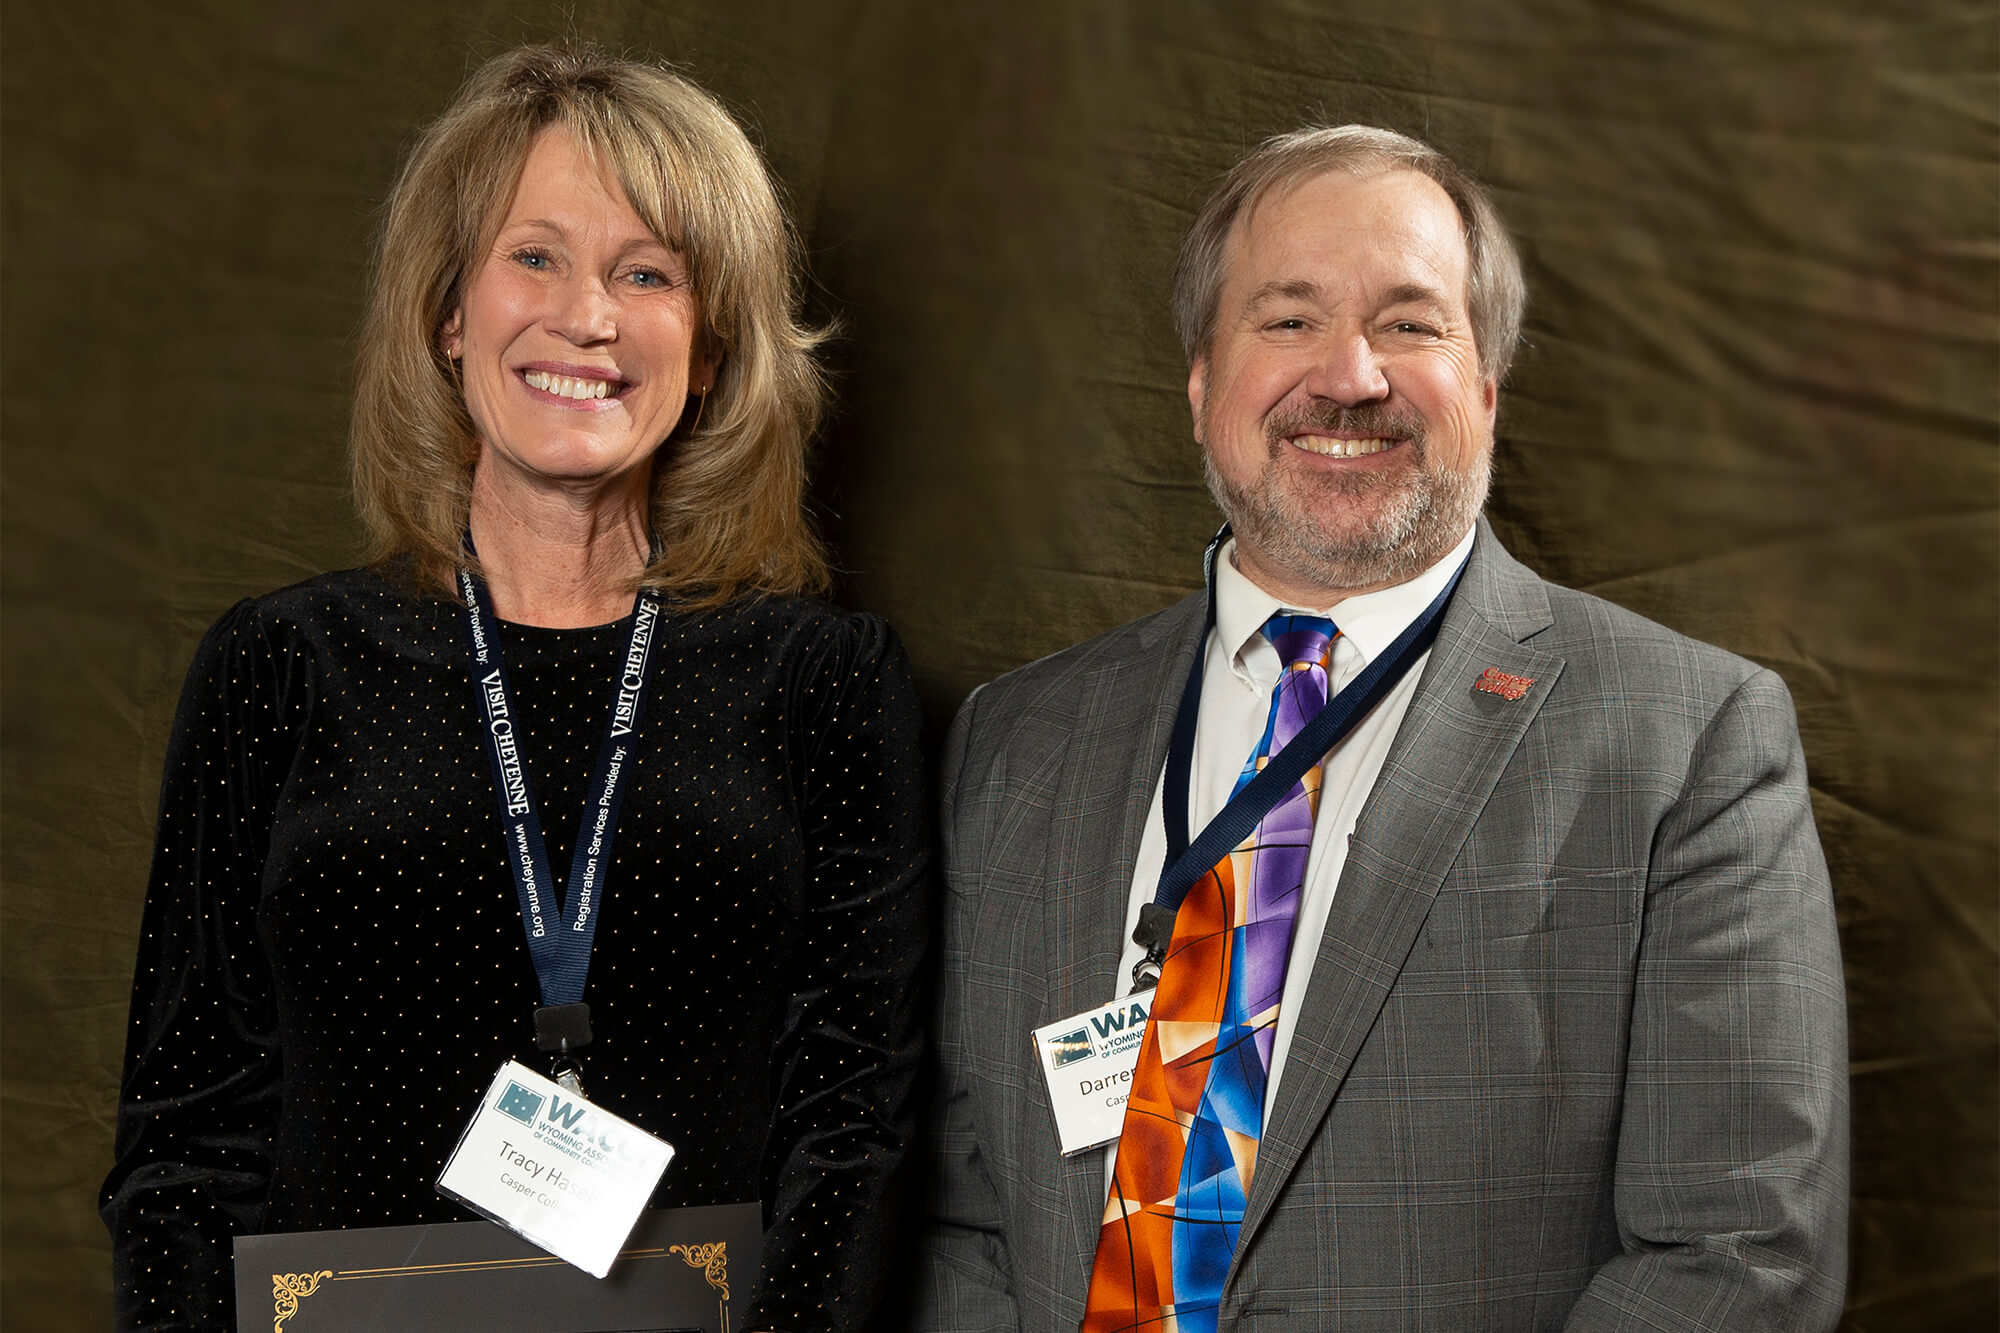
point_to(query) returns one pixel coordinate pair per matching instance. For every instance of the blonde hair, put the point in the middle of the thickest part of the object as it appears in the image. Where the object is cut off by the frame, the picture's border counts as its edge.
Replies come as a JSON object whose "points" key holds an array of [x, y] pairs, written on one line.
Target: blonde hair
{"points": [[1495, 295], [728, 493]]}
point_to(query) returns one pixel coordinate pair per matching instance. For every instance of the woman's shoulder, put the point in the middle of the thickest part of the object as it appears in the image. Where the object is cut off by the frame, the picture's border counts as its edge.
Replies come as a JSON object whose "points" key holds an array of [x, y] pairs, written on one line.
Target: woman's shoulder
{"points": [[341, 607], [812, 654], [794, 626], [335, 593]]}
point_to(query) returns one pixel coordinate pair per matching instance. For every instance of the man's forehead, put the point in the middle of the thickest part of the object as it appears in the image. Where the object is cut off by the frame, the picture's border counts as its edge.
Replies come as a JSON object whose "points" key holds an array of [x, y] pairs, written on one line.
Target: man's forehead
{"points": [[1388, 208]]}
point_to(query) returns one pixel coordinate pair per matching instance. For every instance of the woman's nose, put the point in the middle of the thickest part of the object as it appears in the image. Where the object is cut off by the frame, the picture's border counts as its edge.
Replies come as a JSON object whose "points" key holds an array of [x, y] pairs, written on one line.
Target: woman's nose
{"points": [[585, 313]]}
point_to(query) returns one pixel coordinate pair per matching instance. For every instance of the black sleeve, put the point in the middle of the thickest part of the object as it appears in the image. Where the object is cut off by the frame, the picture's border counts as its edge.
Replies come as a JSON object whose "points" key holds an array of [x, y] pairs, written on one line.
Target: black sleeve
{"points": [[200, 1094], [852, 1035]]}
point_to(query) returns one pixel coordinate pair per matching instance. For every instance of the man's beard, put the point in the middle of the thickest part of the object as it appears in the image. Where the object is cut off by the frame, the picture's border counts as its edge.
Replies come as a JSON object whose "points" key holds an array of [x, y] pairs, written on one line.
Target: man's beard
{"points": [[1400, 523]]}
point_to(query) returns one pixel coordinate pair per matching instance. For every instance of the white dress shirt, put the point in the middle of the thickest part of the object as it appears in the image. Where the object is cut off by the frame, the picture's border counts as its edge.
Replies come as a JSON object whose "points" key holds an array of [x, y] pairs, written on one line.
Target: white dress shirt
{"points": [[1239, 673]]}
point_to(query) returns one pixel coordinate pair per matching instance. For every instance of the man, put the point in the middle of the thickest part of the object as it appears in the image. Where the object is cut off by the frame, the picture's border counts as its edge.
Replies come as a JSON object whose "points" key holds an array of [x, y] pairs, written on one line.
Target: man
{"points": [[1551, 1034]]}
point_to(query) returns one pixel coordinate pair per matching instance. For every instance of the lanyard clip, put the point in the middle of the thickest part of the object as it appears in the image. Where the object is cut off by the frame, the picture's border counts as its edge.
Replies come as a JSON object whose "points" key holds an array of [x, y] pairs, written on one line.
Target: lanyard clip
{"points": [[562, 1027], [567, 1071], [1145, 974], [1154, 931]]}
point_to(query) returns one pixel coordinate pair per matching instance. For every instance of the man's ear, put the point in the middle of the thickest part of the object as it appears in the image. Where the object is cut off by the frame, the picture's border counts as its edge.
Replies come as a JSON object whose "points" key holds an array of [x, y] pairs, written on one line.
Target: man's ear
{"points": [[1197, 389]]}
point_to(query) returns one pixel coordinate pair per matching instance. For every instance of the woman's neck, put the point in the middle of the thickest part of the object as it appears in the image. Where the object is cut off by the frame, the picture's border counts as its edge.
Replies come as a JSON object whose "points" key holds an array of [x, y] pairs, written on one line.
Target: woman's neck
{"points": [[557, 557]]}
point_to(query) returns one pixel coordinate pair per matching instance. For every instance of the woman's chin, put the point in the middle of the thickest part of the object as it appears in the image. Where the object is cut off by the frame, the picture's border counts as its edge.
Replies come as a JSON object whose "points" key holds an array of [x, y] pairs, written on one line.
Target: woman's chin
{"points": [[566, 467]]}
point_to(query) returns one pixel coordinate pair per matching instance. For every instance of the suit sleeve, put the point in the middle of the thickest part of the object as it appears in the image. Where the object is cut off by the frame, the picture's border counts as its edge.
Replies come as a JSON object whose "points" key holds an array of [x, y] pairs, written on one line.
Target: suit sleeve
{"points": [[965, 1283], [847, 1055], [1731, 1175], [200, 1098]]}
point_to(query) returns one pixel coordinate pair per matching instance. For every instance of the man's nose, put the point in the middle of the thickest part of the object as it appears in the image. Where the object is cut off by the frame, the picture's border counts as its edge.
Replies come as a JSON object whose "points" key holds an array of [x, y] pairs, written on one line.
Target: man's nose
{"points": [[1347, 370]]}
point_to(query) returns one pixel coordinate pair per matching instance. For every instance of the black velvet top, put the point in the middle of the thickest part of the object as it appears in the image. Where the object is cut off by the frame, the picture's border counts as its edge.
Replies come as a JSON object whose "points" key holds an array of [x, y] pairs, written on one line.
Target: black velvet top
{"points": [[334, 965]]}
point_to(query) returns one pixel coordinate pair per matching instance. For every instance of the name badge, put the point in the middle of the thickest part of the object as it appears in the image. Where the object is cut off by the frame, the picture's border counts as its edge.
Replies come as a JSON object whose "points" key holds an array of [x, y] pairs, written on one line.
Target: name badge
{"points": [[1088, 1062], [544, 1163]]}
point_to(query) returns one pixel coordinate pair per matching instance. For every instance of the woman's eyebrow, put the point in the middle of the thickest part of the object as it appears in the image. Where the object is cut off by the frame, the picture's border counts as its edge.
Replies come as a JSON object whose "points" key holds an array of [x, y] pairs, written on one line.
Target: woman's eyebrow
{"points": [[637, 241]]}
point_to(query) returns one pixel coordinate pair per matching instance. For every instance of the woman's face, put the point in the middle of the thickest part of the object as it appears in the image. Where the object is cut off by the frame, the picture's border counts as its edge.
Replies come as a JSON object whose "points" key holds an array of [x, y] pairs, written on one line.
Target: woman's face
{"points": [[579, 335]]}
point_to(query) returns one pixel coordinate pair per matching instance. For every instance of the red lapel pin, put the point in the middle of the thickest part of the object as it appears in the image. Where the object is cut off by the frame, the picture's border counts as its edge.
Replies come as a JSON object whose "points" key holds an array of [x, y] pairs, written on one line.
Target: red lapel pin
{"points": [[1495, 681]]}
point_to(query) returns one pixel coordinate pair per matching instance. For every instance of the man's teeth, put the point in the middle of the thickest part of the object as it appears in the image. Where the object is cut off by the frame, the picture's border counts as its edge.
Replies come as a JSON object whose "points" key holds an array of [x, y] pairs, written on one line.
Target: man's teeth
{"points": [[567, 386], [1326, 444]]}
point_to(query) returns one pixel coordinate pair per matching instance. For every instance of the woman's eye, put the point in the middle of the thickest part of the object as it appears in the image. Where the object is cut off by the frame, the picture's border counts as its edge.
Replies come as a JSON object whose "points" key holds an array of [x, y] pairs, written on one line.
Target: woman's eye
{"points": [[533, 259]]}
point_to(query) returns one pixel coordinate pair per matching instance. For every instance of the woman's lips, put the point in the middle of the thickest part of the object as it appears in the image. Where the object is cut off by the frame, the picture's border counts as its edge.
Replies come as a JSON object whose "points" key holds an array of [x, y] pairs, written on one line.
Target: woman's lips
{"points": [[576, 387]]}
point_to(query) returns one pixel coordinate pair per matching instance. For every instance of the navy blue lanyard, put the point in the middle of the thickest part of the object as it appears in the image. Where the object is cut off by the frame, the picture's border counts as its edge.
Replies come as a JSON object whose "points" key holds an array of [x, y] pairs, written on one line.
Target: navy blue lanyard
{"points": [[559, 933], [1186, 863]]}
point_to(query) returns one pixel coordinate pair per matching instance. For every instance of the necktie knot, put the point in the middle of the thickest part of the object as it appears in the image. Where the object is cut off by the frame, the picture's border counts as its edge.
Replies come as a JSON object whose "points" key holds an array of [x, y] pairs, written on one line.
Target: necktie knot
{"points": [[1304, 642], [1300, 640]]}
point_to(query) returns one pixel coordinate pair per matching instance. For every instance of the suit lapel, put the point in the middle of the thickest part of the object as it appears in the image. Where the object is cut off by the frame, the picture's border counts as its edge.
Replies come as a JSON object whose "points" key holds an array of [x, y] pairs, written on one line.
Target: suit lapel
{"points": [[1124, 718], [1447, 757]]}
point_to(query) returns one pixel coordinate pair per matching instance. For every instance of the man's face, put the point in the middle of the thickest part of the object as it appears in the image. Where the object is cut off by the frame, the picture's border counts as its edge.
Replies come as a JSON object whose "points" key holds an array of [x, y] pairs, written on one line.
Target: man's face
{"points": [[1345, 426]]}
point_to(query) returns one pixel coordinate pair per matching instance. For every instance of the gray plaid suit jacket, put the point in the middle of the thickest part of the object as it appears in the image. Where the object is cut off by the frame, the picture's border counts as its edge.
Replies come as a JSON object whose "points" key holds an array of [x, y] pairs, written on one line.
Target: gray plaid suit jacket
{"points": [[1573, 1052]]}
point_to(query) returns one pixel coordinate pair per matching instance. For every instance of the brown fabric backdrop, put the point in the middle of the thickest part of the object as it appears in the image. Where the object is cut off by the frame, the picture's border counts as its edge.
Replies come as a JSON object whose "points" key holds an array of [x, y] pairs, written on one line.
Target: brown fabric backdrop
{"points": [[1758, 403]]}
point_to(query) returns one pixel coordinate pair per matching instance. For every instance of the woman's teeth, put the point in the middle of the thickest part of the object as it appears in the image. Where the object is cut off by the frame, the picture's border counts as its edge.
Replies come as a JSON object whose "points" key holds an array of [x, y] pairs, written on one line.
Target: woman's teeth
{"points": [[567, 386]]}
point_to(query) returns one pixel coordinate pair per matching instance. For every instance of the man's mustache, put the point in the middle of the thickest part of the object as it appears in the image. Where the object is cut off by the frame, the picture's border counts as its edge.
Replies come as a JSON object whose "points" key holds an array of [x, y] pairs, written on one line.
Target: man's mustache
{"points": [[1320, 416]]}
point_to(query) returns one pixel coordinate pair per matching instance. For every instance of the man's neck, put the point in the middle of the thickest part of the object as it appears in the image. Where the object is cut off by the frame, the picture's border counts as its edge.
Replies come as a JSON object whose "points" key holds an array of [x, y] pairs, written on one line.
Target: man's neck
{"points": [[1306, 594]]}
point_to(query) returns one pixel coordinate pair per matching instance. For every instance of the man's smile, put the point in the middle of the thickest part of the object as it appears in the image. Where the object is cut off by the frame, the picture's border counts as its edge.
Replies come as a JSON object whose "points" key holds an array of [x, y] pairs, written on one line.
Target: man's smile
{"points": [[1334, 447]]}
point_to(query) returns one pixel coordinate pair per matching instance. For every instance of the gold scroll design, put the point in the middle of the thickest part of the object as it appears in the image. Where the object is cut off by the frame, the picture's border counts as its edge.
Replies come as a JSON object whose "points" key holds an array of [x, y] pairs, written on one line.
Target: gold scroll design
{"points": [[288, 1289], [713, 1259]]}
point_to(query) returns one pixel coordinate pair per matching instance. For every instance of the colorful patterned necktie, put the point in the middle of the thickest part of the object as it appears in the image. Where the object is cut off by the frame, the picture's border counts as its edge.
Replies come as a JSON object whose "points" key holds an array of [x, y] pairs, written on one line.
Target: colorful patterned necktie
{"points": [[1188, 1148]]}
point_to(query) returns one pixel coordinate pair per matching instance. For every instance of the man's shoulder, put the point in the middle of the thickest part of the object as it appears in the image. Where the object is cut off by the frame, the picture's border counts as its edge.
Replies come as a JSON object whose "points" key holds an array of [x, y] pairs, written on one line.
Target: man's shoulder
{"points": [[1613, 644], [1600, 641], [1101, 705], [1057, 682]]}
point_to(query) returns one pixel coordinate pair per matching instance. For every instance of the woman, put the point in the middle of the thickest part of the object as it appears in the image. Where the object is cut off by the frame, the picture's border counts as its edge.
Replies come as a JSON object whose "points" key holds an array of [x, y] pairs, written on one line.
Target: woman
{"points": [[580, 380]]}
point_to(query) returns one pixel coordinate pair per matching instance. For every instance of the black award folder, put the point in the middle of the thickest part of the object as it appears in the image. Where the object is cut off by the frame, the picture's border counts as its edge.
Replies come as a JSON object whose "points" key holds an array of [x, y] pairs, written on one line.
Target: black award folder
{"points": [[676, 1272]]}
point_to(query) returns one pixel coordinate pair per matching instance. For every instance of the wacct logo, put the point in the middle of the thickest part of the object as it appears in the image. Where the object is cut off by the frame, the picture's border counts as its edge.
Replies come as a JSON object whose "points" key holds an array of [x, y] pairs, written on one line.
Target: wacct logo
{"points": [[1069, 1047], [519, 1103]]}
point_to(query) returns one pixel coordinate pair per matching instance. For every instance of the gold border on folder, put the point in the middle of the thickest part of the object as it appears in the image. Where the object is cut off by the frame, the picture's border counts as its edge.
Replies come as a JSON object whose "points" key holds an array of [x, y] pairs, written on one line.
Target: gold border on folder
{"points": [[288, 1289]]}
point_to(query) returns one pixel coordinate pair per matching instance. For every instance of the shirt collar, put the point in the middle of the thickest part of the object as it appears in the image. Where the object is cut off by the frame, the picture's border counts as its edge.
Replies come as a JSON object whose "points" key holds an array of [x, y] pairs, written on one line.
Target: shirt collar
{"points": [[1370, 622]]}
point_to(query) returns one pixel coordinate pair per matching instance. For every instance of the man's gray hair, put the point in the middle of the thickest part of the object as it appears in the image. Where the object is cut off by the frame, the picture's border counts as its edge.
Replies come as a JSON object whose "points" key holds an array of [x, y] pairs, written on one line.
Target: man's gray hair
{"points": [[1495, 294]]}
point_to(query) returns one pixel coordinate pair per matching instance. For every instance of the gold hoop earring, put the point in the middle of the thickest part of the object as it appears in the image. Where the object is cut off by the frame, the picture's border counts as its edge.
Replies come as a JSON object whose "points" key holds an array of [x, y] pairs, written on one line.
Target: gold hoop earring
{"points": [[700, 402]]}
